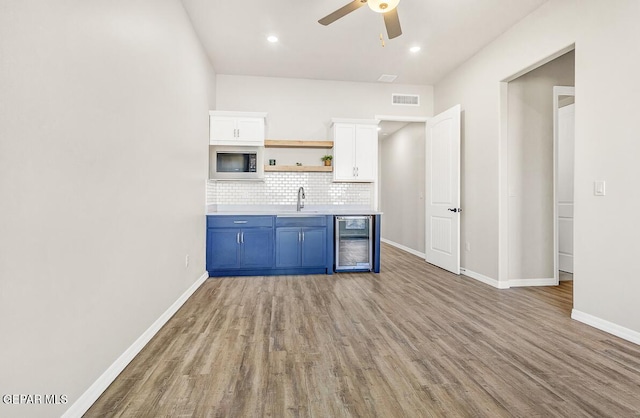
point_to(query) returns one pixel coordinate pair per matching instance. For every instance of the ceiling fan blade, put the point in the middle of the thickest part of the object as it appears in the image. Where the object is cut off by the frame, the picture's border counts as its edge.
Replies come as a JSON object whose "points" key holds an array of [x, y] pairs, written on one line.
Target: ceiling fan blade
{"points": [[342, 12], [392, 23]]}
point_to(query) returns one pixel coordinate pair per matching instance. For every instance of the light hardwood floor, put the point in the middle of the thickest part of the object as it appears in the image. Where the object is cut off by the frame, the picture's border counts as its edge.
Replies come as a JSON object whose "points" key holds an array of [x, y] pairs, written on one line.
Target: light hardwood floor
{"points": [[413, 341]]}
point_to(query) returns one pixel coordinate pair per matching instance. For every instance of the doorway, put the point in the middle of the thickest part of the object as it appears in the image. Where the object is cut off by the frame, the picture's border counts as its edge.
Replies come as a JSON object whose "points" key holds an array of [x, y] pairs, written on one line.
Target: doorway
{"points": [[401, 180], [431, 167], [529, 216]]}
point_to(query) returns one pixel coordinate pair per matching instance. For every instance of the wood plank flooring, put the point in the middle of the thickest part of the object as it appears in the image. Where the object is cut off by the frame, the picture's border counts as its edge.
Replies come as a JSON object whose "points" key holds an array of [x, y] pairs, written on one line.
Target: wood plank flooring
{"points": [[413, 341]]}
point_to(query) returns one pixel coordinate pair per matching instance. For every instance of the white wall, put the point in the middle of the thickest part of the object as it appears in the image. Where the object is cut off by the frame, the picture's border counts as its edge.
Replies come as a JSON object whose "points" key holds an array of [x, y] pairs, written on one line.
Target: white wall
{"points": [[103, 161], [530, 168], [607, 64], [302, 109], [402, 186], [607, 148], [476, 86]]}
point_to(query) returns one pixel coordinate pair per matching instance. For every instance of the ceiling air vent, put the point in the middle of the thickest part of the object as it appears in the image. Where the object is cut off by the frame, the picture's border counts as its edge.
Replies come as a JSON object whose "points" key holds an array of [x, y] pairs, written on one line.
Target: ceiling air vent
{"points": [[405, 100], [387, 78]]}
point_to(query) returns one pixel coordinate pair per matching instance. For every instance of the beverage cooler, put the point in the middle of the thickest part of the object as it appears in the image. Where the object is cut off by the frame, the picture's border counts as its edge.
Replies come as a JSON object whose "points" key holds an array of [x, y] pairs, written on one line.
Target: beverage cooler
{"points": [[354, 243]]}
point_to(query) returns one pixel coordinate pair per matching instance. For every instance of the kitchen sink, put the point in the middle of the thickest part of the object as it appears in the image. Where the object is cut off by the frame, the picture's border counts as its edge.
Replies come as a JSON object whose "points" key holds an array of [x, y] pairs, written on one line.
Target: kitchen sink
{"points": [[296, 213]]}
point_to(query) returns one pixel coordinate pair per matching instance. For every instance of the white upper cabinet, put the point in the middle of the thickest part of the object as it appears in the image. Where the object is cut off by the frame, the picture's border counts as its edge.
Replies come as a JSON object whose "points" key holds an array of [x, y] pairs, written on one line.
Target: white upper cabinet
{"points": [[236, 128], [355, 150]]}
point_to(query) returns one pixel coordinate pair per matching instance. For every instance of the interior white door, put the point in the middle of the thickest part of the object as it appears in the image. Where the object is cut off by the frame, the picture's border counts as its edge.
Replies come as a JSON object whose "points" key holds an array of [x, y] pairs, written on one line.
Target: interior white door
{"points": [[566, 146], [443, 190]]}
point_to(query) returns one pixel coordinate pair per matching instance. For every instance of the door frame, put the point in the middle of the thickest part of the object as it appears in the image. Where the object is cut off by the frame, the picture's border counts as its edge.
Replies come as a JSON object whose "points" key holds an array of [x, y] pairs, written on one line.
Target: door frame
{"points": [[503, 174], [395, 118], [557, 92]]}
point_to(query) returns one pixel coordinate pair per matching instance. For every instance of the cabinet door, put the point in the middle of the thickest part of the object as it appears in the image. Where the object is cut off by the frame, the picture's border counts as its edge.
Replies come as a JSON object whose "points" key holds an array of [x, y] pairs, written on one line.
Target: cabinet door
{"points": [[344, 140], [250, 129], [223, 248], [257, 247], [288, 247], [222, 128], [366, 154], [314, 245]]}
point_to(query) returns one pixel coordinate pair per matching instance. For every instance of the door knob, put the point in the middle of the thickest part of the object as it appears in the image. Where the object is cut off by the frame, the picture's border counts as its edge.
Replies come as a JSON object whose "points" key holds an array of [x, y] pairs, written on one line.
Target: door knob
{"points": [[455, 210]]}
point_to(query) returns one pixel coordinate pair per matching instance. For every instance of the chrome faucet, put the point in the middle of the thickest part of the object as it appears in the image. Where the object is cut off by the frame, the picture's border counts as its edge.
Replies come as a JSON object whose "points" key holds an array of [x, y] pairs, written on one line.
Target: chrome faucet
{"points": [[301, 196]]}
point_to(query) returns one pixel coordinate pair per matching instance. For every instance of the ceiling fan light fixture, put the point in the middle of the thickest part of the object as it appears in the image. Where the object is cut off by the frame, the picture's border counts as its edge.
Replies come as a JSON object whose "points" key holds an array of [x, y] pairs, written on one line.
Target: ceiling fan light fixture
{"points": [[382, 6]]}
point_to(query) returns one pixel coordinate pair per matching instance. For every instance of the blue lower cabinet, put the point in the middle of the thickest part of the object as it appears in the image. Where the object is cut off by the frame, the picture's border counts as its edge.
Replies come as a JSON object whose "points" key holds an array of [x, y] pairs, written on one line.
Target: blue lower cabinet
{"points": [[314, 245], [223, 248], [256, 248], [239, 248], [269, 245], [301, 247], [288, 247]]}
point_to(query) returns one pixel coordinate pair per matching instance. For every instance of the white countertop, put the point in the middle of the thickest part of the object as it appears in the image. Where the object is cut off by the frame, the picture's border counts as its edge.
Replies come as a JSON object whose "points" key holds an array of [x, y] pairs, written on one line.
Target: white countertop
{"points": [[290, 210]]}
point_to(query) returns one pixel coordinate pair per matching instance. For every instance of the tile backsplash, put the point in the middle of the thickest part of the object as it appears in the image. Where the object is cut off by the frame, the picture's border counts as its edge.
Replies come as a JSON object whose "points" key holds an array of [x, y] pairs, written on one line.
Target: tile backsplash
{"points": [[281, 188]]}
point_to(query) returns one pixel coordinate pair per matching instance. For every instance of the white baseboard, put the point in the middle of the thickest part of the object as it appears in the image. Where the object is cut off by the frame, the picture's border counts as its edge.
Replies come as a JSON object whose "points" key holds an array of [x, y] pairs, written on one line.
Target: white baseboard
{"points": [[507, 284], [606, 326], [404, 248], [532, 282], [484, 279], [92, 394]]}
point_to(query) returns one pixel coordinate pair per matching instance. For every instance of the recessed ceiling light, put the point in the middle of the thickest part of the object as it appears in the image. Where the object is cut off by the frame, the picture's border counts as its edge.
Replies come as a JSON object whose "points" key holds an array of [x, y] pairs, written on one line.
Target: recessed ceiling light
{"points": [[272, 38], [379, 128], [414, 49]]}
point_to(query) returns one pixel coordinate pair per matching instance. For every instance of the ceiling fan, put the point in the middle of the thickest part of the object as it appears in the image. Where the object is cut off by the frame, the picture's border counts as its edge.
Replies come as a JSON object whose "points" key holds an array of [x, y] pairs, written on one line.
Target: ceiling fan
{"points": [[386, 7]]}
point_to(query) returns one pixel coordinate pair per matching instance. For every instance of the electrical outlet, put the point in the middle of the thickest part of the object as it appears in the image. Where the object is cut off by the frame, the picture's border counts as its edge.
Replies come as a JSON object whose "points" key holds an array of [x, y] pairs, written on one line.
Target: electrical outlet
{"points": [[186, 261], [467, 246]]}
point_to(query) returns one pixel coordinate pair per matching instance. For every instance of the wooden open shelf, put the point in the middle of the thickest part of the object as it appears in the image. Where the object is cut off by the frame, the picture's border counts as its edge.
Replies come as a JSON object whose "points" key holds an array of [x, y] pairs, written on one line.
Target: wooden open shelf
{"points": [[308, 168], [290, 143]]}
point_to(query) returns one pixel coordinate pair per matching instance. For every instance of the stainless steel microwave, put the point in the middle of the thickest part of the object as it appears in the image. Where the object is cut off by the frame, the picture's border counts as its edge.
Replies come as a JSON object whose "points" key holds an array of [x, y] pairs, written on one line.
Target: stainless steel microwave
{"points": [[236, 163]]}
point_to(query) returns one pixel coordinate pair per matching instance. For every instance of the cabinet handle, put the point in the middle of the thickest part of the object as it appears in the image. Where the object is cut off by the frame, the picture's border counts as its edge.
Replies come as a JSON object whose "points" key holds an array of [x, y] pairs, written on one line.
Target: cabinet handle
{"points": [[299, 236], [239, 222], [242, 237], [302, 236], [238, 238]]}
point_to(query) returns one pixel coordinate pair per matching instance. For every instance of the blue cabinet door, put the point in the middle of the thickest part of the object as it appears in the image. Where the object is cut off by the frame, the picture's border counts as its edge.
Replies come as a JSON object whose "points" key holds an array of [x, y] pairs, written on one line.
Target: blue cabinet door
{"points": [[257, 247], [223, 248], [288, 247], [314, 245], [301, 247]]}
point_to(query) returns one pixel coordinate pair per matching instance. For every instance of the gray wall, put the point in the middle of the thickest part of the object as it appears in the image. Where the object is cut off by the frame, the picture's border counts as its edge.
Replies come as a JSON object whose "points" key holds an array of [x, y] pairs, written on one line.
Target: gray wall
{"points": [[402, 186], [302, 109], [103, 161], [606, 68], [530, 168]]}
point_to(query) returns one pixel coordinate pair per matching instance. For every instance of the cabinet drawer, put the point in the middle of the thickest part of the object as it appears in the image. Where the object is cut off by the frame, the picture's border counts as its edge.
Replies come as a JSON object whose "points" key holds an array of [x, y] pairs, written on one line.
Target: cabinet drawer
{"points": [[301, 221], [239, 221]]}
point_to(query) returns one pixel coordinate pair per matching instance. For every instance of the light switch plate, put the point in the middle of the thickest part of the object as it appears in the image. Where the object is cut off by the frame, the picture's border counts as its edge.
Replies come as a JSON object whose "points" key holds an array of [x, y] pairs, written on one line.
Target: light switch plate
{"points": [[599, 188]]}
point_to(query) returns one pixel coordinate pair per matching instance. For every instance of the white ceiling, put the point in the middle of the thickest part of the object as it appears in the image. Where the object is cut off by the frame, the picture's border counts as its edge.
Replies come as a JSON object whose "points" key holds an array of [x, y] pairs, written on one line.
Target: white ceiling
{"points": [[448, 31], [388, 128]]}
